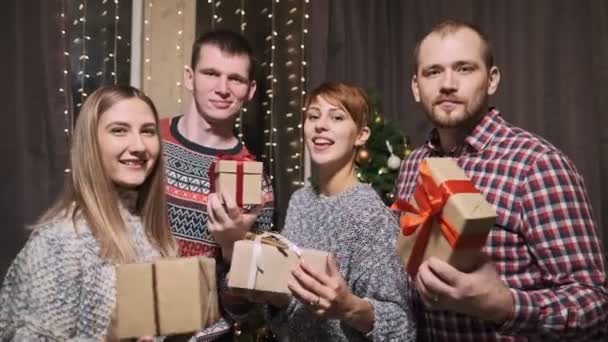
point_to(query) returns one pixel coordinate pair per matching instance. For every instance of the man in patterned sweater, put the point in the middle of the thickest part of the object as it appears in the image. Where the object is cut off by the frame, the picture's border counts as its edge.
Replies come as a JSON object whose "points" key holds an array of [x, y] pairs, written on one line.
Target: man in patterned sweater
{"points": [[221, 82], [544, 276]]}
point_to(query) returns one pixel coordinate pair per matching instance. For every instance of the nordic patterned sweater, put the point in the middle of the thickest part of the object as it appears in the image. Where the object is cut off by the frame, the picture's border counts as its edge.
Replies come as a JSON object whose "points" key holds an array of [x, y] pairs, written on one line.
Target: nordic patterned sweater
{"points": [[188, 186], [360, 232], [58, 288]]}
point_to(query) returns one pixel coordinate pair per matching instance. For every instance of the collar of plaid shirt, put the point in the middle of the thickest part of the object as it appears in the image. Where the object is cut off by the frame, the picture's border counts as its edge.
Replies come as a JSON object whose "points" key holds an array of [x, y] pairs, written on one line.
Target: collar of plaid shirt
{"points": [[475, 141]]}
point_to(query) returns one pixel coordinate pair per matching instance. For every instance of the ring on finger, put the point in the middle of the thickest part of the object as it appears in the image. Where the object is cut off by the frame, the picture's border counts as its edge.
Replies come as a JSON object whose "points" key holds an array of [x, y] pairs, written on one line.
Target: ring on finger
{"points": [[315, 302]]}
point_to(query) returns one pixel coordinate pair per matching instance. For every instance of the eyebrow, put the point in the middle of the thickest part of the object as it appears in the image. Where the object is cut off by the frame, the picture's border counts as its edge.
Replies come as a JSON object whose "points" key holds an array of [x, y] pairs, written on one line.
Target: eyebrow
{"points": [[125, 124], [231, 75]]}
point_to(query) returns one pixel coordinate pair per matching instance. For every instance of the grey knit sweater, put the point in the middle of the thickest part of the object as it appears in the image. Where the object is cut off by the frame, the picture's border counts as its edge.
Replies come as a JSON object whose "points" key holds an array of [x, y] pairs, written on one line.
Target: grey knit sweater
{"points": [[357, 228], [58, 288]]}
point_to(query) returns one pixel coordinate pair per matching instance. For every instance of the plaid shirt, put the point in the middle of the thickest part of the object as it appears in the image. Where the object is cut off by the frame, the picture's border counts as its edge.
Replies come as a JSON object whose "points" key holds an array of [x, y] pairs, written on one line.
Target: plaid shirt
{"points": [[544, 243]]}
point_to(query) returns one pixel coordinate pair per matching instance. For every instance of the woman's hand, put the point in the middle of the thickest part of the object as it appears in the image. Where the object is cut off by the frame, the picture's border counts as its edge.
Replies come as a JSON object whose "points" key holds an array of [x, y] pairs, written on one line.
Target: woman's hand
{"points": [[329, 296]]}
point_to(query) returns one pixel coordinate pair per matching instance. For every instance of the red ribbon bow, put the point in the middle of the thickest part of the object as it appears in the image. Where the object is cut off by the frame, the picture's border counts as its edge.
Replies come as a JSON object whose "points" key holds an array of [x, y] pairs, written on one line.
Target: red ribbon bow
{"points": [[431, 198], [240, 159]]}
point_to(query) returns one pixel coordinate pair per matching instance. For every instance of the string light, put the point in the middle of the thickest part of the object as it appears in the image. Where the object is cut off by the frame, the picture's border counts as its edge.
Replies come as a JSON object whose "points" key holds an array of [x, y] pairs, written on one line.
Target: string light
{"points": [[83, 50], [147, 61], [180, 50], [242, 24], [116, 38], [68, 118]]}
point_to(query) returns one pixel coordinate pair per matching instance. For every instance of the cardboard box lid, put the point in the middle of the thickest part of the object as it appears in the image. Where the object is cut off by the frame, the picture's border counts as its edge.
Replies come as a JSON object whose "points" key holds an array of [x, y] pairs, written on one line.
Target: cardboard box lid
{"points": [[136, 314], [230, 166], [180, 301]]}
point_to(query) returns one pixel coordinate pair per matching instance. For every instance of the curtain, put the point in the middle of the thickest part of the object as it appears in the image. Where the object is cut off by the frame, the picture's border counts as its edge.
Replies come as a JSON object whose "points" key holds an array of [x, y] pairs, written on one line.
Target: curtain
{"points": [[553, 56], [33, 144]]}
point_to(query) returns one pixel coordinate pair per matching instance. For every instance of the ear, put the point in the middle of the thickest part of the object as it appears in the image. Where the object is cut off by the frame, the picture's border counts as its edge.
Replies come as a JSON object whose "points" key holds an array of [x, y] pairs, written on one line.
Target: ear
{"points": [[362, 136], [252, 88], [415, 90], [189, 78], [494, 79]]}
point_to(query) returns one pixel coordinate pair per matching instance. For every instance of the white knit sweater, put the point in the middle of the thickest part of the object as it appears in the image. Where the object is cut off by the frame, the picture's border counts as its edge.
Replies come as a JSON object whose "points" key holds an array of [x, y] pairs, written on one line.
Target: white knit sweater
{"points": [[58, 288]]}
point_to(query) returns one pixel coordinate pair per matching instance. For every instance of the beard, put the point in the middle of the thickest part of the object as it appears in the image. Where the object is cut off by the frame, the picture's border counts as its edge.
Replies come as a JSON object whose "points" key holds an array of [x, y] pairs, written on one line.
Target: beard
{"points": [[461, 114]]}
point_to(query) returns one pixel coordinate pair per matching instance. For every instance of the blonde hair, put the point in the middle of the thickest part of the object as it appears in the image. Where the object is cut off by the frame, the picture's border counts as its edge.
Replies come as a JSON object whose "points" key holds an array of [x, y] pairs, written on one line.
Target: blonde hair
{"points": [[90, 191]]}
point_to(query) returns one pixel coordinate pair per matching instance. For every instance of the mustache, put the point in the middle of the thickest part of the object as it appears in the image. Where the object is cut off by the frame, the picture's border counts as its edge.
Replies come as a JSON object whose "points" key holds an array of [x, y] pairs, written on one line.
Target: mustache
{"points": [[448, 98]]}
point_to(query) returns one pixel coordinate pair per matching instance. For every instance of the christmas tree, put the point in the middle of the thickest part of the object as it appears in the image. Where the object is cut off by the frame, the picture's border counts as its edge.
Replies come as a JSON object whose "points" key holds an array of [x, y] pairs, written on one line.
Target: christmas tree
{"points": [[379, 160]]}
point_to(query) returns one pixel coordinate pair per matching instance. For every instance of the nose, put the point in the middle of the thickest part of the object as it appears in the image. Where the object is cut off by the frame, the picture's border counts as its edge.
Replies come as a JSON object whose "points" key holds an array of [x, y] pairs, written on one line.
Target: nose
{"points": [[449, 83], [136, 144], [321, 123], [222, 87]]}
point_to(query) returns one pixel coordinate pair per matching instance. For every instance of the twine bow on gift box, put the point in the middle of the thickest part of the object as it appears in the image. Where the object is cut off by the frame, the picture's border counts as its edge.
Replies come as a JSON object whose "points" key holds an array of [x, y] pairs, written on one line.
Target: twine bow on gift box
{"points": [[240, 159], [267, 238], [430, 199]]}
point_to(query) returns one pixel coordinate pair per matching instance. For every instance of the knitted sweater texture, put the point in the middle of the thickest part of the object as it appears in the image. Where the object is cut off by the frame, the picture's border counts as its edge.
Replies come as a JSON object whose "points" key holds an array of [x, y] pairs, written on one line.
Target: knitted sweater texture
{"points": [[58, 288], [360, 232]]}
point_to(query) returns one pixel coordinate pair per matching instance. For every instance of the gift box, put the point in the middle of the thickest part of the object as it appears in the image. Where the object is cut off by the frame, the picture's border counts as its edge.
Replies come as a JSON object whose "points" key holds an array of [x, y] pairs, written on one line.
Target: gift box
{"points": [[447, 217], [169, 296], [240, 178], [265, 263]]}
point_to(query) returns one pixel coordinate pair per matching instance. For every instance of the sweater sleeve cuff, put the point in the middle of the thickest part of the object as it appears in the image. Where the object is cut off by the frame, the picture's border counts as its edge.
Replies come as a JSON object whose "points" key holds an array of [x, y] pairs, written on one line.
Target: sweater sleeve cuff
{"points": [[524, 315]]}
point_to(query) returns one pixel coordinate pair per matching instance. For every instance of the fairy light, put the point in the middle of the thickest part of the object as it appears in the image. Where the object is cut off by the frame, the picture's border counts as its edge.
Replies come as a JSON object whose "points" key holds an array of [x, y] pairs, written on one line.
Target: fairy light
{"points": [[68, 118], [147, 59], [240, 11], [116, 38], [180, 50], [271, 78], [301, 153], [82, 20]]}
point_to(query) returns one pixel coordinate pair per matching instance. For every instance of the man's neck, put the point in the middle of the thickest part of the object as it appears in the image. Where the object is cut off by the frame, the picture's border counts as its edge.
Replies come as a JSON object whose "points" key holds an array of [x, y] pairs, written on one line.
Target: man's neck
{"points": [[333, 182], [195, 128], [450, 138]]}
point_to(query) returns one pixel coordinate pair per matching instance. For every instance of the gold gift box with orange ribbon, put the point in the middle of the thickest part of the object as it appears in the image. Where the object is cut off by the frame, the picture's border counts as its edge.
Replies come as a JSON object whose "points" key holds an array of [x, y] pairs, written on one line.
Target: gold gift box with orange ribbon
{"points": [[447, 217]]}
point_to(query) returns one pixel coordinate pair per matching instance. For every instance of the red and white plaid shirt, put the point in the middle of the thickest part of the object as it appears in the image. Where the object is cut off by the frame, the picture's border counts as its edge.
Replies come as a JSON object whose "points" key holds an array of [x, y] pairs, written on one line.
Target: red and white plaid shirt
{"points": [[544, 243]]}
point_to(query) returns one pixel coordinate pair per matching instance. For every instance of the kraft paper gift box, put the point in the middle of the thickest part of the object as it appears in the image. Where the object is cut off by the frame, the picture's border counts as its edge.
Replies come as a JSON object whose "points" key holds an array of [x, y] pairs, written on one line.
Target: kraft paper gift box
{"points": [[241, 178], [169, 296], [447, 217], [259, 266]]}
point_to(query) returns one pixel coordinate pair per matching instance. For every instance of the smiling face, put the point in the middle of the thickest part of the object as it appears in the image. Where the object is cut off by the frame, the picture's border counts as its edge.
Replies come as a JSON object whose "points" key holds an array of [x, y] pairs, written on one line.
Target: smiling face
{"points": [[219, 83], [331, 134], [452, 81], [129, 143]]}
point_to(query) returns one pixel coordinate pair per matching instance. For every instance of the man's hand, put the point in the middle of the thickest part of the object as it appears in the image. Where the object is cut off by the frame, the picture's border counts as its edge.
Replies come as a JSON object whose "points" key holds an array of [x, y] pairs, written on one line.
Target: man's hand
{"points": [[480, 293], [227, 222]]}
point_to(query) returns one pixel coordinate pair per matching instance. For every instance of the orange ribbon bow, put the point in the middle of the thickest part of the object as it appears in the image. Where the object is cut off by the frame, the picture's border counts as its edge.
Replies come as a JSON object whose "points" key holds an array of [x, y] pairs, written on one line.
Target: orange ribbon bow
{"points": [[431, 198]]}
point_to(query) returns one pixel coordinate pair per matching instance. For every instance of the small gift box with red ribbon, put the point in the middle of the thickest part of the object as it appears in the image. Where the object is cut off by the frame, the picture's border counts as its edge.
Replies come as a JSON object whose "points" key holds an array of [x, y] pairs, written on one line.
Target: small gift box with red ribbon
{"points": [[447, 217], [239, 176], [263, 263]]}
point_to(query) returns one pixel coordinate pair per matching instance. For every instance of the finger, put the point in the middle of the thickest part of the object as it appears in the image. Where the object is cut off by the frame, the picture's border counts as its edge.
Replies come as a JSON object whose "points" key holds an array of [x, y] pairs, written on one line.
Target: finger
{"points": [[145, 339], [444, 271], [426, 296], [210, 212], [310, 283], [305, 296], [232, 208], [255, 209], [433, 283], [318, 276], [332, 266], [214, 202]]}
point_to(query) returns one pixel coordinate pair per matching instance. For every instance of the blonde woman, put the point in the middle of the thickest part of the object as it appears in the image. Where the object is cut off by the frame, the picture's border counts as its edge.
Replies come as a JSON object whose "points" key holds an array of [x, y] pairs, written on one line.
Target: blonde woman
{"points": [[364, 295], [61, 286]]}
